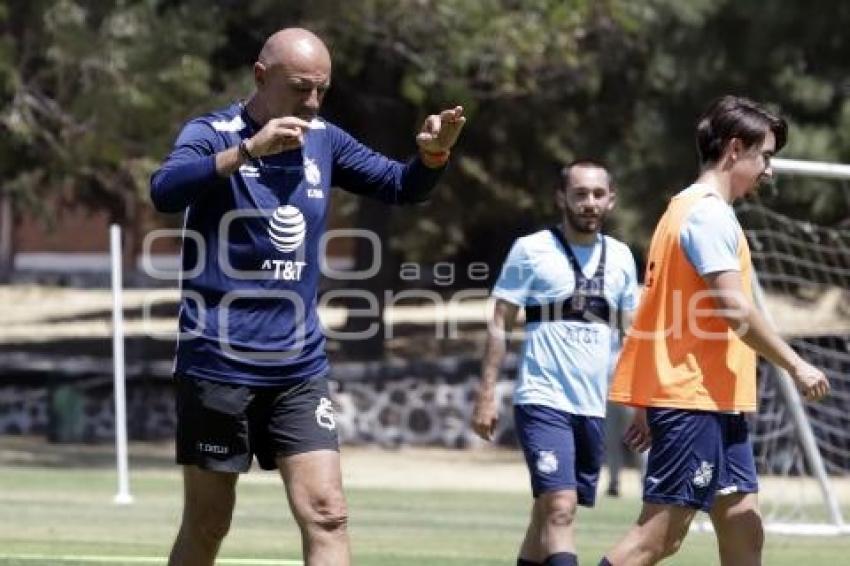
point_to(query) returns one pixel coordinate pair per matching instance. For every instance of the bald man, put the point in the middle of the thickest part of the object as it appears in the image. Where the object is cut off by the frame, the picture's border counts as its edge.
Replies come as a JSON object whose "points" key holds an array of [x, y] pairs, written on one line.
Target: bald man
{"points": [[254, 182]]}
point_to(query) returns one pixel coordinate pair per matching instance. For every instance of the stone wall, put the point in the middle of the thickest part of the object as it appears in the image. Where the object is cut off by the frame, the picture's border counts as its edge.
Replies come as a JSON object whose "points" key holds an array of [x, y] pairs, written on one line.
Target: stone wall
{"points": [[390, 404]]}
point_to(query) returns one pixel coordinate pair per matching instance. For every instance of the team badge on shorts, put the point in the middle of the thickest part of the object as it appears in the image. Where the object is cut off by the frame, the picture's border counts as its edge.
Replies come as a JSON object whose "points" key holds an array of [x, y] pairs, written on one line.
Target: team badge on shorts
{"points": [[547, 462], [702, 476], [325, 414]]}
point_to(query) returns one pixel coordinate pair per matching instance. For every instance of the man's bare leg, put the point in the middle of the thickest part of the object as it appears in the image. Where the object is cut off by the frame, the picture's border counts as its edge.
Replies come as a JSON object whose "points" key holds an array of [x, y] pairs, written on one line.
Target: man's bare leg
{"points": [[658, 533], [738, 525], [314, 486], [208, 500]]}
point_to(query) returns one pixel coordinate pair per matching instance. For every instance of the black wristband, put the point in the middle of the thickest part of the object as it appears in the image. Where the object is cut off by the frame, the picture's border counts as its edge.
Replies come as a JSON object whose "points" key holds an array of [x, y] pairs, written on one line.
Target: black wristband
{"points": [[243, 151]]}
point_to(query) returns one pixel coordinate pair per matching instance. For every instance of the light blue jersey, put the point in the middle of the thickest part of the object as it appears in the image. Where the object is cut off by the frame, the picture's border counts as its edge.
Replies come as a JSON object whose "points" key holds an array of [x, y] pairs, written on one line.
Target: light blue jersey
{"points": [[710, 233], [565, 363]]}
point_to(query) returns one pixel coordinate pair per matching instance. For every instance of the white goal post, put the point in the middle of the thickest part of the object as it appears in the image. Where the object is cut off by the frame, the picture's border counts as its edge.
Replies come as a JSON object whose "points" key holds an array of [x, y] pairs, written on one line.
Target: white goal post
{"points": [[123, 496], [802, 286], [820, 169]]}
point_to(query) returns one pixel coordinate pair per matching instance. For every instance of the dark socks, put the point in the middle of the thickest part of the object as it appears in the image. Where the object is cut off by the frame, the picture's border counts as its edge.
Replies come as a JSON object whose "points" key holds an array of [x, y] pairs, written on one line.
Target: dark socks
{"points": [[561, 559], [605, 562], [558, 559]]}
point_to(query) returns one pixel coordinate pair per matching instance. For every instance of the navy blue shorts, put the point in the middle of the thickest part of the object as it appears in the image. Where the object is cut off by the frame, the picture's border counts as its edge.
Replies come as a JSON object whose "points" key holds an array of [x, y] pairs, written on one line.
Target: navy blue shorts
{"points": [[697, 455], [562, 451], [221, 426]]}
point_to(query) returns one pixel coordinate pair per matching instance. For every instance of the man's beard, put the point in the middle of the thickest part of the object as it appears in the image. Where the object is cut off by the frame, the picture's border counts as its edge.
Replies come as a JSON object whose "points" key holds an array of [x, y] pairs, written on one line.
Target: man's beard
{"points": [[584, 225], [763, 187]]}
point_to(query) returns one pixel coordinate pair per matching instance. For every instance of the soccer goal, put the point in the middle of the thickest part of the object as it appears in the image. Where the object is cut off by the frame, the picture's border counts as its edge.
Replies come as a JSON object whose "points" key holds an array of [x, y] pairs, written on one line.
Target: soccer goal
{"points": [[802, 286]]}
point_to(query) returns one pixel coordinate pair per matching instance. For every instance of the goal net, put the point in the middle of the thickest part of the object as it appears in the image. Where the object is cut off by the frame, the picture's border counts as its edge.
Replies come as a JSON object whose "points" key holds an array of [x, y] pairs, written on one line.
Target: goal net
{"points": [[802, 449]]}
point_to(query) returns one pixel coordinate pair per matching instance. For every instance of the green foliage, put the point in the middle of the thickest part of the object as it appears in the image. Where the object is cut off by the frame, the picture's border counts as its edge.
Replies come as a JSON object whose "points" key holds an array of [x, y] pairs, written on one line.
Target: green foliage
{"points": [[791, 55], [97, 90], [93, 93], [547, 81], [538, 80]]}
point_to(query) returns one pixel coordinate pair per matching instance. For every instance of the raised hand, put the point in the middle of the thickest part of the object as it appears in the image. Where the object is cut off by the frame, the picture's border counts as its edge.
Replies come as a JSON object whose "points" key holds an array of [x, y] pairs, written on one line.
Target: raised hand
{"points": [[277, 135], [440, 131]]}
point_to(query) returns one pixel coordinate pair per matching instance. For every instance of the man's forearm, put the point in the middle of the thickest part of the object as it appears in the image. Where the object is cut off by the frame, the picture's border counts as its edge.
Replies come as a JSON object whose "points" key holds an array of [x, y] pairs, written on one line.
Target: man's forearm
{"points": [[177, 184], [418, 181], [745, 320], [182, 179], [491, 365], [227, 162], [760, 337]]}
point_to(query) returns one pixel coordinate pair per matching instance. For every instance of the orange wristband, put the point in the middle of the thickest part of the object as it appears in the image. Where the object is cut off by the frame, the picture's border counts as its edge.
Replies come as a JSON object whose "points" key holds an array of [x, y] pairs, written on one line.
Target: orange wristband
{"points": [[434, 158]]}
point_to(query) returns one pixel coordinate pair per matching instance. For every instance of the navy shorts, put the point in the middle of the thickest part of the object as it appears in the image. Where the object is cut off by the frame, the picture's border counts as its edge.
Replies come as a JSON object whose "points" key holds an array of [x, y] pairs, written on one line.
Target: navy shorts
{"points": [[697, 455], [562, 451], [222, 426]]}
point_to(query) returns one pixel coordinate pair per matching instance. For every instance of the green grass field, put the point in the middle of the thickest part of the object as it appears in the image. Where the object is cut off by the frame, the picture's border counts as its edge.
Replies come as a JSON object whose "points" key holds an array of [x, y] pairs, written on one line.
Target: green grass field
{"points": [[64, 512]]}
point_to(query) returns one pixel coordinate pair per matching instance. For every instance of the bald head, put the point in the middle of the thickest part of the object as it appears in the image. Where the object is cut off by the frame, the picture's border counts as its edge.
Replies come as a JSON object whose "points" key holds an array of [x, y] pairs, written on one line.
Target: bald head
{"points": [[295, 48], [292, 74]]}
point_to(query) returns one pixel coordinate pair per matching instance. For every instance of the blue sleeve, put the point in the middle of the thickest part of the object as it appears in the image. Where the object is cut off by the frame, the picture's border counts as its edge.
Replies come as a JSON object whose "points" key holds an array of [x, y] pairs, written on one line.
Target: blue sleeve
{"points": [[709, 237], [188, 170], [363, 171], [630, 295], [517, 275]]}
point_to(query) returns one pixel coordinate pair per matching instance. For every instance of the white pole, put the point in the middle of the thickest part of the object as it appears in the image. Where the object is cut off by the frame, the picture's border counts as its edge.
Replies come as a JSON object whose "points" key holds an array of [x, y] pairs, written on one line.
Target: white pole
{"points": [[800, 420], [810, 168], [123, 496]]}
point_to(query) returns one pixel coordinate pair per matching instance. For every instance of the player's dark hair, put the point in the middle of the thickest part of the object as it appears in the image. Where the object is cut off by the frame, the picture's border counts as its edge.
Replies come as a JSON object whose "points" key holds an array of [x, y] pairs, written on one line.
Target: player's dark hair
{"points": [[736, 117], [584, 162]]}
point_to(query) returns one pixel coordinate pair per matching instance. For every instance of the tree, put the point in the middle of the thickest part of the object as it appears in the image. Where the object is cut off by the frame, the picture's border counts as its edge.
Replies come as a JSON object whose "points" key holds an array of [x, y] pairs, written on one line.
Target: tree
{"points": [[540, 81], [794, 59], [546, 81], [95, 92]]}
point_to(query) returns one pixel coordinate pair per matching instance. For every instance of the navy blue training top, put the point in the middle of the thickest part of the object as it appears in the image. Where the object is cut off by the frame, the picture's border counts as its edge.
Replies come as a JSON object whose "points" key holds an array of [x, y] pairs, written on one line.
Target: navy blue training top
{"points": [[251, 243]]}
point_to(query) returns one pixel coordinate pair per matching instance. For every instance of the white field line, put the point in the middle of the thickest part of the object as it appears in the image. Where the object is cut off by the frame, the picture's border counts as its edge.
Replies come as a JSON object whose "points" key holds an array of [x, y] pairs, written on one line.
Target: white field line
{"points": [[144, 560]]}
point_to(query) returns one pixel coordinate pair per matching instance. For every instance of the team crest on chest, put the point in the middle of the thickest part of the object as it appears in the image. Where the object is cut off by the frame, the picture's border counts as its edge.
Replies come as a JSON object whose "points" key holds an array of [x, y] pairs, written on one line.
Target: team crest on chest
{"points": [[311, 171]]}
